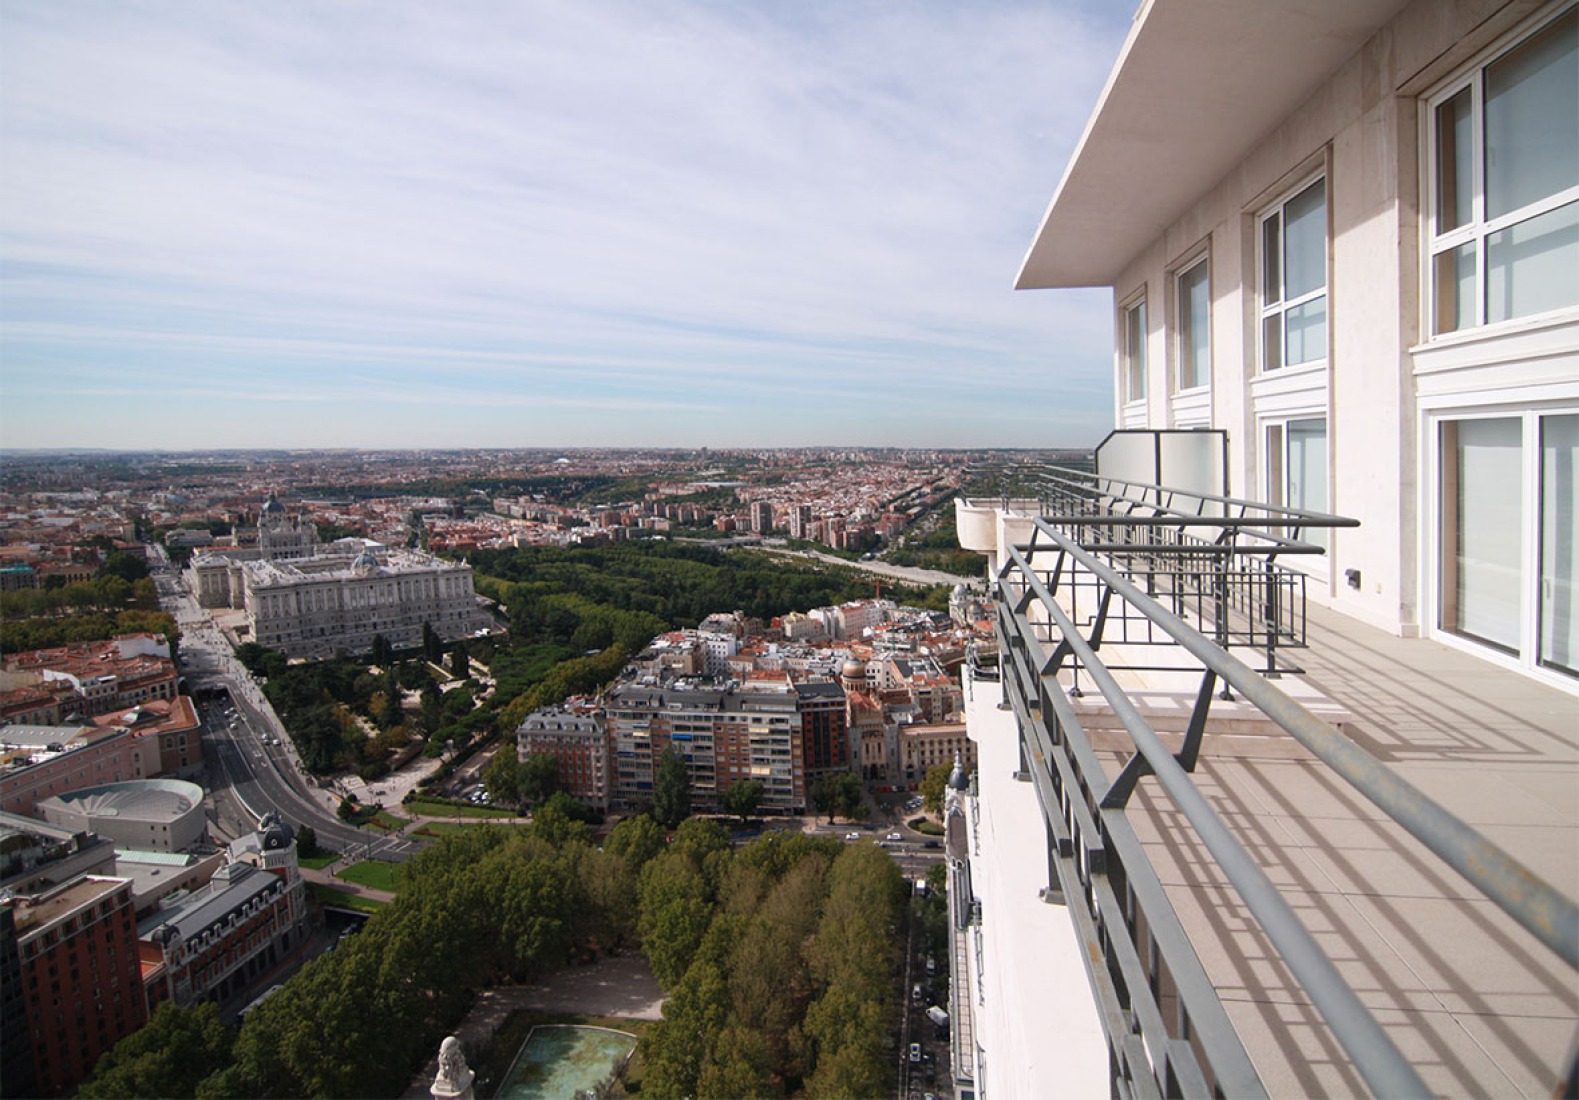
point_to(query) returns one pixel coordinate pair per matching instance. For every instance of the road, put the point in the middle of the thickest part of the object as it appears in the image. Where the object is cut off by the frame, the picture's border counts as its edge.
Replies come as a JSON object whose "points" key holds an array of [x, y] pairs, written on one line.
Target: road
{"points": [[905, 573], [251, 764]]}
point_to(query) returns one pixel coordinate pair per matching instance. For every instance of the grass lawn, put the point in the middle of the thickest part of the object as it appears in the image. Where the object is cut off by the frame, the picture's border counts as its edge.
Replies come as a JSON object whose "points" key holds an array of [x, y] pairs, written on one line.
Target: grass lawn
{"points": [[506, 1044], [451, 828], [317, 863], [373, 873], [926, 826], [328, 895], [386, 821], [423, 808]]}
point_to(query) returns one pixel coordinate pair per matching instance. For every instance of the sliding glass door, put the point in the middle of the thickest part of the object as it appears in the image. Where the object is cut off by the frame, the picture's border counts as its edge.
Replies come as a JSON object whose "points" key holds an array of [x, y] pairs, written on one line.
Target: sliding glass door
{"points": [[1508, 538]]}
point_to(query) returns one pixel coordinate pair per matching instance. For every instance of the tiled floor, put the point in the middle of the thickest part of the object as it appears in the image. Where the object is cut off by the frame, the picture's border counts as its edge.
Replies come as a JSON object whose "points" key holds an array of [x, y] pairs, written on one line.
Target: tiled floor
{"points": [[1478, 1005]]}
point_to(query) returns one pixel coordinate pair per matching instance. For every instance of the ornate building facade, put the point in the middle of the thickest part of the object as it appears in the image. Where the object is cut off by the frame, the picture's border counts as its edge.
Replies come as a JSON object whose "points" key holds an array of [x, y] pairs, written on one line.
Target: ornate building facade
{"points": [[307, 600]]}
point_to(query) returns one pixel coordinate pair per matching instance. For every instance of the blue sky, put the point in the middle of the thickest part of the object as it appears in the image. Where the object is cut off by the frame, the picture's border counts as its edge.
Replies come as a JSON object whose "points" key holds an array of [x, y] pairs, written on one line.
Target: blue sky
{"points": [[537, 223]]}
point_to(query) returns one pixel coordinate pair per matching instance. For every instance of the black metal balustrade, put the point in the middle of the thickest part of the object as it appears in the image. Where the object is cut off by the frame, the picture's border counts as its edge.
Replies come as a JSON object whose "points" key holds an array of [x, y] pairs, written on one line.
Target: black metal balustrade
{"points": [[1112, 567]]}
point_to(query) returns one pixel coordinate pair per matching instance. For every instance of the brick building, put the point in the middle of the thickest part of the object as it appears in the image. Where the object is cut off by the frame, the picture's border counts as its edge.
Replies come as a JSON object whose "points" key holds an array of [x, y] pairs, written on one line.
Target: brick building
{"points": [[576, 739], [80, 974]]}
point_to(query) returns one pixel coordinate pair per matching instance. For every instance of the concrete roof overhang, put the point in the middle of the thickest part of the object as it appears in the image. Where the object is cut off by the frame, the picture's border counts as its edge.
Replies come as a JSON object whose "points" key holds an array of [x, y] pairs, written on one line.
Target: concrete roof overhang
{"points": [[1197, 85]]}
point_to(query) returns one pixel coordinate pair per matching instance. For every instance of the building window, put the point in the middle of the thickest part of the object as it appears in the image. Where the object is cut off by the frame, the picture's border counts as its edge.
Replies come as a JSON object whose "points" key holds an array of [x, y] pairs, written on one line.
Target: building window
{"points": [[1296, 470], [1489, 573], [1135, 351], [1294, 280], [1193, 296], [1505, 185]]}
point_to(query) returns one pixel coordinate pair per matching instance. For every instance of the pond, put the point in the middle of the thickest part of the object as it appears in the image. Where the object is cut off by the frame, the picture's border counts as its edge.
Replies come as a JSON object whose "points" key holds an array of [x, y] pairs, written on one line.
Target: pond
{"points": [[557, 1061]]}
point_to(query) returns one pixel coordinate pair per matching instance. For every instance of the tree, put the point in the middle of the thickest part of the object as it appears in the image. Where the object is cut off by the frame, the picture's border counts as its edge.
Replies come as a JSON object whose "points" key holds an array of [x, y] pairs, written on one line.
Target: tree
{"points": [[743, 798], [168, 1056], [383, 652], [432, 645], [671, 789], [674, 917], [502, 777], [538, 777], [636, 839], [128, 567], [933, 786], [838, 793], [306, 842], [460, 661]]}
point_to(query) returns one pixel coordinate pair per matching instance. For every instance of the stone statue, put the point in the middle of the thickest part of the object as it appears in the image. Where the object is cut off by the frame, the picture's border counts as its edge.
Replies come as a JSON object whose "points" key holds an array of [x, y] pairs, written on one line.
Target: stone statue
{"points": [[454, 1081]]}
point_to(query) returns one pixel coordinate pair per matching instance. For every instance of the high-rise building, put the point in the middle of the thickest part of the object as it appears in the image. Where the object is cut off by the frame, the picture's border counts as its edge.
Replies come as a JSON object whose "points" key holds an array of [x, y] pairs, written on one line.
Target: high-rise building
{"points": [[726, 733], [762, 516], [1260, 680], [80, 975], [800, 521]]}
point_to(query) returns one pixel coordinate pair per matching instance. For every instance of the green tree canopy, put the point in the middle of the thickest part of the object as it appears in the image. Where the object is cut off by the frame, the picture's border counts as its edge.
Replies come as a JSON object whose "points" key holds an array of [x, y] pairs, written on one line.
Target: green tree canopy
{"points": [[167, 1057], [743, 798], [671, 788]]}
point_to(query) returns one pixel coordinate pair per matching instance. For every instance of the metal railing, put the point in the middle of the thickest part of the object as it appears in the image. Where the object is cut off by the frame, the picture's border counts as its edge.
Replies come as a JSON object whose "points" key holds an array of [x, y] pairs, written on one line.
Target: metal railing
{"points": [[1059, 595], [1213, 560]]}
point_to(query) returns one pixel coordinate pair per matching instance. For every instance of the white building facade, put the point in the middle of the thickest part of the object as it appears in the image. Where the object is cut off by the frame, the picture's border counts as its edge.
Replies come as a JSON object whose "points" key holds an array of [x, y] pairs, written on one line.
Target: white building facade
{"points": [[1358, 256]]}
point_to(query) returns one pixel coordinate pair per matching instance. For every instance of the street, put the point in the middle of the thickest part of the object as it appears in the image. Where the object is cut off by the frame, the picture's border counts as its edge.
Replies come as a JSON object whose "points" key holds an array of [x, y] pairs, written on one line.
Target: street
{"points": [[251, 763]]}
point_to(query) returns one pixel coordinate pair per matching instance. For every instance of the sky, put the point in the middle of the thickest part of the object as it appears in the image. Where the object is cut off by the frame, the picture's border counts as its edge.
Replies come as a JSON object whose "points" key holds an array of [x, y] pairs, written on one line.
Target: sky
{"points": [[543, 224]]}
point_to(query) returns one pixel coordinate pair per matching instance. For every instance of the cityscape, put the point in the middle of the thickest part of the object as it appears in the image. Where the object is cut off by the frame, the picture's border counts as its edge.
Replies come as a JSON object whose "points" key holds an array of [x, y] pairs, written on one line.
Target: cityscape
{"points": [[624, 593]]}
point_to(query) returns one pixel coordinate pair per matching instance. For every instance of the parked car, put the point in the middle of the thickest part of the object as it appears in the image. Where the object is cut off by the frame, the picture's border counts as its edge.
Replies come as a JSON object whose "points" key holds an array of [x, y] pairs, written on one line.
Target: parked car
{"points": [[915, 1052]]}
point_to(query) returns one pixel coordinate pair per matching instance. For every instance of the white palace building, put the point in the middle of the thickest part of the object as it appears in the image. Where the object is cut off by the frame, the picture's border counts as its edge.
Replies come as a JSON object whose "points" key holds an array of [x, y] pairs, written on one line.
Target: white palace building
{"points": [[308, 600]]}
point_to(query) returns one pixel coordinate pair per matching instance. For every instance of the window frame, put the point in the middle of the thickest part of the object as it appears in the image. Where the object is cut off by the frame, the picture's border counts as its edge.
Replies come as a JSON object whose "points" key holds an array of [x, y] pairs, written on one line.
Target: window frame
{"points": [[1268, 309], [1441, 246]]}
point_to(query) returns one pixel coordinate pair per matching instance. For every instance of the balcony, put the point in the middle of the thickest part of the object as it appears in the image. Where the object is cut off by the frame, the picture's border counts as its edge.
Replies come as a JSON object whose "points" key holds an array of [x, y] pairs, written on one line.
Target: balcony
{"points": [[1299, 856]]}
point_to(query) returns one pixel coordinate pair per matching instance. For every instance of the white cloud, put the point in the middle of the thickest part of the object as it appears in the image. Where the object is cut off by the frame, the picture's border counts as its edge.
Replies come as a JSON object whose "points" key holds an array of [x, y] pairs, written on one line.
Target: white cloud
{"points": [[600, 206]]}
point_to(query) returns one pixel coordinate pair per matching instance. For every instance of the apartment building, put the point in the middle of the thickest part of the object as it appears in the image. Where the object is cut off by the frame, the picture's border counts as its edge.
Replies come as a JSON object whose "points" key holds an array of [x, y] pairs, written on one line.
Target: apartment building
{"points": [[89, 678], [576, 738], [726, 733], [1343, 244], [1364, 267], [81, 976]]}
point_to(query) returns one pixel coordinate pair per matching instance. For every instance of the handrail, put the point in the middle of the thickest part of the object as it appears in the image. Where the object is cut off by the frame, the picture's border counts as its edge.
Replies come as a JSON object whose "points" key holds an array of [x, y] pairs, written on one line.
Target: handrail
{"points": [[1023, 581], [1376, 1057], [1538, 907]]}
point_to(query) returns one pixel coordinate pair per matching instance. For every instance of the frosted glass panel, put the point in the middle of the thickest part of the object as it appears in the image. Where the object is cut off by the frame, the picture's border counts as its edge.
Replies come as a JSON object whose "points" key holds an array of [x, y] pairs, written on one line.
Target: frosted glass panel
{"points": [[1481, 529], [1559, 542], [1533, 266], [1532, 126]]}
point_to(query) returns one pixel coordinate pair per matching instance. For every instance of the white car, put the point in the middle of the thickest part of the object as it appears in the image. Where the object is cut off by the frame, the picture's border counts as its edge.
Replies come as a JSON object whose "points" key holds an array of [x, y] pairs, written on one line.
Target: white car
{"points": [[852, 836], [895, 836]]}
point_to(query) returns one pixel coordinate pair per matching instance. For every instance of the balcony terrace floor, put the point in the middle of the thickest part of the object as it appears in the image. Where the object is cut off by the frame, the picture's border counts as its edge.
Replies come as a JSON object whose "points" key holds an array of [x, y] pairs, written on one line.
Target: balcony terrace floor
{"points": [[1473, 1001]]}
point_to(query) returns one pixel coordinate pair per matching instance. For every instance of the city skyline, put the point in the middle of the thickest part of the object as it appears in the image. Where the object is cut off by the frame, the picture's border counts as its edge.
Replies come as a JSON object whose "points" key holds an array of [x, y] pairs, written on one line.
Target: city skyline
{"points": [[397, 226]]}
